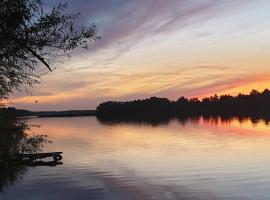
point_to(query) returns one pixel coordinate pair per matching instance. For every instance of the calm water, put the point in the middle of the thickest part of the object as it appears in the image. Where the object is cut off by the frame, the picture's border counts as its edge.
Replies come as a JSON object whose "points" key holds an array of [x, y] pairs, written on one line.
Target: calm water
{"points": [[198, 159]]}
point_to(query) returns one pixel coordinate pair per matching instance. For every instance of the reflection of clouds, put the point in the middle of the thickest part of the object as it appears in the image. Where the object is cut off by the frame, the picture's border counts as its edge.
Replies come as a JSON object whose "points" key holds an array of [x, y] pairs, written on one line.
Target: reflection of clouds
{"points": [[97, 185], [100, 138], [175, 161]]}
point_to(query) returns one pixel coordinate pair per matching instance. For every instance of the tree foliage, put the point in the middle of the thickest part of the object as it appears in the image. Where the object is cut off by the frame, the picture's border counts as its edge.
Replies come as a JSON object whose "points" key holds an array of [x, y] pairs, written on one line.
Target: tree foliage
{"points": [[13, 141], [256, 105], [15, 138], [30, 36]]}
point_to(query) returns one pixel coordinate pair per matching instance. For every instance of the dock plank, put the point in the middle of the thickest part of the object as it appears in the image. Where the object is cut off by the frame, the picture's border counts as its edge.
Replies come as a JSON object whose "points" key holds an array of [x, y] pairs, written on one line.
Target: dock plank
{"points": [[55, 155]]}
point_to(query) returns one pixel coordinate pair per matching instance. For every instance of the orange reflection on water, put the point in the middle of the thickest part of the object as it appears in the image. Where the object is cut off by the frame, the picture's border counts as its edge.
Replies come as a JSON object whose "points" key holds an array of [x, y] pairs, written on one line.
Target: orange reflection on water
{"points": [[201, 153], [196, 136]]}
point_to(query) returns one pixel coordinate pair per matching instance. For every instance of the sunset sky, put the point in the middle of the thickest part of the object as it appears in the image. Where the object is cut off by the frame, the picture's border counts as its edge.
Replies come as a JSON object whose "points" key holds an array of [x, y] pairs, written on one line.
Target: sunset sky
{"points": [[164, 48]]}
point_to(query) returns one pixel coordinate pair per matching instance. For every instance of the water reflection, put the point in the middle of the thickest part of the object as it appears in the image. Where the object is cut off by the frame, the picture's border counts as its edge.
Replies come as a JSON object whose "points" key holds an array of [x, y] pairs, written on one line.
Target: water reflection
{"points": [[214, 120], [10, 172], [15, 141], [195, 158]]}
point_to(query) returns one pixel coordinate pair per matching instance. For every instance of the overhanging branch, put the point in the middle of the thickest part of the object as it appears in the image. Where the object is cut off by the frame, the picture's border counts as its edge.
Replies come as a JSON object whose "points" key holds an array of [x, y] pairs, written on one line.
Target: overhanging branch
{"points": [[38, 57]]}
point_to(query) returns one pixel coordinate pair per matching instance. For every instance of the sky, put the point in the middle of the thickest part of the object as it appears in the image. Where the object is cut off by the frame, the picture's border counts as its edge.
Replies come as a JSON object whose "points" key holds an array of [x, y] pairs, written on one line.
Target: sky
{"points": [[171, 48]]}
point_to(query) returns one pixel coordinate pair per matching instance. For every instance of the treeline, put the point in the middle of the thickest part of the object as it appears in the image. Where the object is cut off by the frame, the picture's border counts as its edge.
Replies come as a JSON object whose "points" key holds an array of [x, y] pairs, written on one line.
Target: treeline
{"points": [[256, 104], [25, 113]]}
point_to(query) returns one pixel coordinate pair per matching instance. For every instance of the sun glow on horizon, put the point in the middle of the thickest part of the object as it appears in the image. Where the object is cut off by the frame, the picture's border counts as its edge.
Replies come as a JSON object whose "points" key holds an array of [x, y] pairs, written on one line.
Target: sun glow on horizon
{"points": [[222, 48]]}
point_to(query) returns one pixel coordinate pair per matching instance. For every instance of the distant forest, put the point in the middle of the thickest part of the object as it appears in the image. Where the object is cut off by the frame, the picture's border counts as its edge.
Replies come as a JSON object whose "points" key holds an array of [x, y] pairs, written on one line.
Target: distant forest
{"points": [[26, 113], [255, 105]]}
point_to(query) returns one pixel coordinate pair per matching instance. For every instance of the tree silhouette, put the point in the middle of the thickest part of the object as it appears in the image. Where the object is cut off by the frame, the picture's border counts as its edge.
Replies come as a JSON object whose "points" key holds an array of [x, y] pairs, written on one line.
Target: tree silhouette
{"points": [[256, 105], [13, 141], [30, 35], [14, 138]]}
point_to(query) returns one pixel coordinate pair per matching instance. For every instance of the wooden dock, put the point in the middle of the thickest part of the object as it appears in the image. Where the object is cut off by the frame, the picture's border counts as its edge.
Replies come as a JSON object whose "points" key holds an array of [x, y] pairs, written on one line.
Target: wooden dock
{"points": [[55, 155]]}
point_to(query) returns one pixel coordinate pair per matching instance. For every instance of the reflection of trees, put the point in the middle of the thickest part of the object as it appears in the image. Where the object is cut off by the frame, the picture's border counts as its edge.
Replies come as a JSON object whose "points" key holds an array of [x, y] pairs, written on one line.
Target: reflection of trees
{"points": [[13, 141], [10, 172], [214, 120], [151, 121]]}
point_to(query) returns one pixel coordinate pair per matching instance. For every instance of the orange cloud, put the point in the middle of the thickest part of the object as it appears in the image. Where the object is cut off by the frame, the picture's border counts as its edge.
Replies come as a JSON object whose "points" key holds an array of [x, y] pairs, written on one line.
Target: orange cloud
{"points": [[240, 85], [191, 82]]}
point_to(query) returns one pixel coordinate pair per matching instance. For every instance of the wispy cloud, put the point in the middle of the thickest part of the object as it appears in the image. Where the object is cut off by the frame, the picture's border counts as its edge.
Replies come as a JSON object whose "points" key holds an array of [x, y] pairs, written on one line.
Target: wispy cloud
{"points": [[191, 81], [143, 42], [125, 23]]}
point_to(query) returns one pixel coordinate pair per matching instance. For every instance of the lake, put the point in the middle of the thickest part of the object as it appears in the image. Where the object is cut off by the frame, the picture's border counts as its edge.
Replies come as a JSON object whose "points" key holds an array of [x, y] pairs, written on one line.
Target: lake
{"points": [[204, 159]]}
